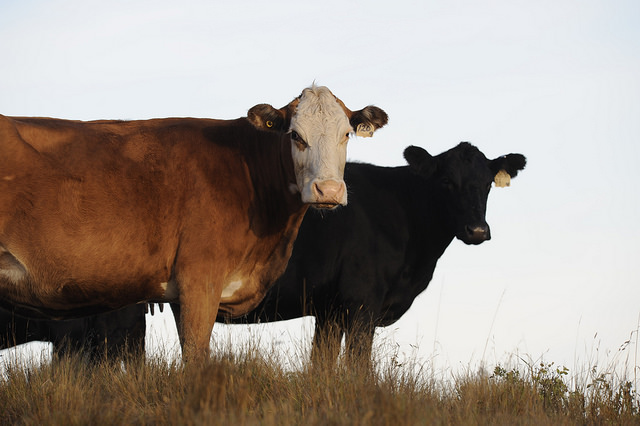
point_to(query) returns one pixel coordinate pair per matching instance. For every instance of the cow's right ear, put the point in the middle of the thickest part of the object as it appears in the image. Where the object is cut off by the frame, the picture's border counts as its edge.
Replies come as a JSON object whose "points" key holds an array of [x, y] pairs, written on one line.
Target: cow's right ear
{"points": [[506, 167], [266, 117], [420, 161], [366, 121]]}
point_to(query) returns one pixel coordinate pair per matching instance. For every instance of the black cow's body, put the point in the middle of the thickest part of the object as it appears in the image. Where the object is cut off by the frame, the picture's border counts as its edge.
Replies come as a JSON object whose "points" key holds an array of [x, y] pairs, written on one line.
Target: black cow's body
{"points": [[112, 334], [362, 265]]}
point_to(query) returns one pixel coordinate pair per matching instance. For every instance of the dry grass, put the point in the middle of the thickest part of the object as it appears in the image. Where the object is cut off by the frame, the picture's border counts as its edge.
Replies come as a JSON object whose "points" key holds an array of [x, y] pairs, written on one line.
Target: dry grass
{"points": [[249, 387]]}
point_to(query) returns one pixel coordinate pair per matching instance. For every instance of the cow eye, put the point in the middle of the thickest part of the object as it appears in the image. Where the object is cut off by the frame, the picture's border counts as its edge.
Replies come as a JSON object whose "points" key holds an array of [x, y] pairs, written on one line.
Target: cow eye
{"points": [[301, 144], [345, 139]]}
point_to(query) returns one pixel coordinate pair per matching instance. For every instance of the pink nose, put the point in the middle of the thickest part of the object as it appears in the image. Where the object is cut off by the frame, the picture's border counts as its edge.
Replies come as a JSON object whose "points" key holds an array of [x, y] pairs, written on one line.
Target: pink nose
{"points": [[328, 192]]}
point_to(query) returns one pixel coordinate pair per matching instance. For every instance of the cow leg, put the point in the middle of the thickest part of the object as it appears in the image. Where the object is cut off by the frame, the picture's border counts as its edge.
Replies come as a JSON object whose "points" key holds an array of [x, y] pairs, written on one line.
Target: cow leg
{"points": [[70, 336], [326, 343], [15, 330], [359, 343], [177, 316], [175, 310], [119, 334], [198, 310]]}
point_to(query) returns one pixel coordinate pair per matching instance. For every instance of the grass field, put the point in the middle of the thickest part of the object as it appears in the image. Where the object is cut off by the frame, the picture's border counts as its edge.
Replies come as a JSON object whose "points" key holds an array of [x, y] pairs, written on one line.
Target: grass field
{"points": [[248, 386]]}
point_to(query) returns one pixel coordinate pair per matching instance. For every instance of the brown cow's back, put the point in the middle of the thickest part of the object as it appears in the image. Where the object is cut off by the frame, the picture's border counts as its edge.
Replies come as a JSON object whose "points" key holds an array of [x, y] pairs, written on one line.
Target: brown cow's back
{"points": [[113, 196]]}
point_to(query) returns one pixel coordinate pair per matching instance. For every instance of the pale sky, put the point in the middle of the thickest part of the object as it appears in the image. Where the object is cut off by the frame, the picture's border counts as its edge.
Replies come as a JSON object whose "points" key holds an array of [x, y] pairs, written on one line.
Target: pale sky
{"points": [[558, 81]]}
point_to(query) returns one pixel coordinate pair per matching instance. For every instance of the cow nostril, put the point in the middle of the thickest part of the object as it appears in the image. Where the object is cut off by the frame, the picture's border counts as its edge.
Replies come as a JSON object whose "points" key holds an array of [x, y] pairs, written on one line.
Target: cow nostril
{"points": [[478, 233], [329, 189]]}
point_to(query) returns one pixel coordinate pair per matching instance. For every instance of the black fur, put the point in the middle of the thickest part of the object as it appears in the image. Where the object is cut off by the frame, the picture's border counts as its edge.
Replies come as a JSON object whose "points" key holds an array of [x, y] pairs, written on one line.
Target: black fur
{"points": [[362, 265]]}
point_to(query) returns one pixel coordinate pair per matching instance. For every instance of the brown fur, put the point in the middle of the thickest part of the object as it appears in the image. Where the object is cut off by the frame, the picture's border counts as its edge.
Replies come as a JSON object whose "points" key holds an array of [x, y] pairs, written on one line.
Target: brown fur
{"points": [[99, 214]]}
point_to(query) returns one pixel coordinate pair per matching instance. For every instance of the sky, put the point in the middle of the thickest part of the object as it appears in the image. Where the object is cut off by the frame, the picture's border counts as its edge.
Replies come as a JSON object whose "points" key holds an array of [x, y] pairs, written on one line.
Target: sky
{"points": [[558, 81]]}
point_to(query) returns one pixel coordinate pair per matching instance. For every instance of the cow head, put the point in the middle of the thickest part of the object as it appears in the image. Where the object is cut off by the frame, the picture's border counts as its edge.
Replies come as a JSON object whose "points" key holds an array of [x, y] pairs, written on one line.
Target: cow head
{"points": [[319, 125], [461, 179]]}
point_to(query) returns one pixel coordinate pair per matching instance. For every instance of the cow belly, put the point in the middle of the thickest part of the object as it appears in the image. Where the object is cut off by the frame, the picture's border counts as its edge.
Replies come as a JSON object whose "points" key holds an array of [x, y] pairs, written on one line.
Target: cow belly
{"points": [[47, 291], [238, 291], [242, 293], [10, 268], [231, 287], [169, 291]]}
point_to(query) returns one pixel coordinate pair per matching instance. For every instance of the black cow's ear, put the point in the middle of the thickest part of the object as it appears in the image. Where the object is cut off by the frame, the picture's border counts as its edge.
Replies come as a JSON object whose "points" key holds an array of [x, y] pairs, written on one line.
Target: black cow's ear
{"points": [[506, 167], [419, 160], [266, 117], [369, 119]]}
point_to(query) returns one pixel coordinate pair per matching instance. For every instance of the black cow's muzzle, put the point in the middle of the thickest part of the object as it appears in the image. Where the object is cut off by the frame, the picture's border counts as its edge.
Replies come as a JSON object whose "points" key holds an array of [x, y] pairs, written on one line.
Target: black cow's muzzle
{"points": [[476, 234]]}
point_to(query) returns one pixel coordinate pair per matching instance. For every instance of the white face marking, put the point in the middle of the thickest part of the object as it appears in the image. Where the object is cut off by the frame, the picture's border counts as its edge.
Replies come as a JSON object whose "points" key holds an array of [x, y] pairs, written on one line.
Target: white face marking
{"points": [[323, 125], [231, 288]]}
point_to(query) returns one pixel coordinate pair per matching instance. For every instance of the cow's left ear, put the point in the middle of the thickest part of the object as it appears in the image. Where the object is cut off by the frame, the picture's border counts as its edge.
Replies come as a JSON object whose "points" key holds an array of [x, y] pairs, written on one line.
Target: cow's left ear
{"points": [[506, 167], [420, 161], [368, 120], [266, 117]]}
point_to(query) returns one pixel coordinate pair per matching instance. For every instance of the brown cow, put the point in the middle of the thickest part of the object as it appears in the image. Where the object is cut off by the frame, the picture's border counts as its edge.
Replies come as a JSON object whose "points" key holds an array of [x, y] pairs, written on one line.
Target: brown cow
{"points": [[98, 215]]}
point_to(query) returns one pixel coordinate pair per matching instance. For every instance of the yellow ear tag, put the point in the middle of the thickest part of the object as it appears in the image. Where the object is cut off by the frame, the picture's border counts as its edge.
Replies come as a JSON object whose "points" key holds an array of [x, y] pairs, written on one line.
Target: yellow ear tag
{"points": [[269, 123], [364, 130], [502, 179]]}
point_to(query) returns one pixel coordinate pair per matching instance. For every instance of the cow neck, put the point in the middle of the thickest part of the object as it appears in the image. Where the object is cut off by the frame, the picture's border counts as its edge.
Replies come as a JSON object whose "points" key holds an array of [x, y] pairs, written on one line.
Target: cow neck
{"points": [[433, 230], [273, 177]]}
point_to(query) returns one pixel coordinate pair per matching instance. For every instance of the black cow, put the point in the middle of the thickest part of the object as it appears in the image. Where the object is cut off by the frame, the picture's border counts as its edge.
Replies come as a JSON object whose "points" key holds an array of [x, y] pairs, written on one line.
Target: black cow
{"points": [[111, 335], [362, 265]]}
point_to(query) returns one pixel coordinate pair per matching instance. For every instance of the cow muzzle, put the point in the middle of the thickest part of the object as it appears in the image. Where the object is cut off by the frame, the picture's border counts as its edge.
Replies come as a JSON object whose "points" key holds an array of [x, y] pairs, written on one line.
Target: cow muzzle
{"points": [[476, 234], [328, 194]]}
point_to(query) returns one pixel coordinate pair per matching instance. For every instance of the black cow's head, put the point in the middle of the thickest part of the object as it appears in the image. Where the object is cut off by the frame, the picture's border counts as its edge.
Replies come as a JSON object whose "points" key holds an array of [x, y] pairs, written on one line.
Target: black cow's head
{"points": [[460, 179]]}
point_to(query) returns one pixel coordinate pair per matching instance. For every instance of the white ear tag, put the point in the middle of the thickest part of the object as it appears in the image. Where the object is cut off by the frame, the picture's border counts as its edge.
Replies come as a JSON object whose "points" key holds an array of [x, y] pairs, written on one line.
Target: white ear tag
{"points": [[364, 130], [502, 179]]}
